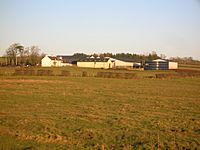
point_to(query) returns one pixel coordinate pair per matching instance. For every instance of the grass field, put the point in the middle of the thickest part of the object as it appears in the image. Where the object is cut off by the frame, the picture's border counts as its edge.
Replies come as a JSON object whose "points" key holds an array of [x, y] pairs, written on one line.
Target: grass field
{"points": [[186, 66], [54, 112]]}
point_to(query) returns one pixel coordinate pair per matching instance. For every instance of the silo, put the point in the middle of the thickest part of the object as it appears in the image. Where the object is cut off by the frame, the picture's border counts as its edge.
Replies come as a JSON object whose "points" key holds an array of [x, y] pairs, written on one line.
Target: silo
{"points": [[157, 64]]}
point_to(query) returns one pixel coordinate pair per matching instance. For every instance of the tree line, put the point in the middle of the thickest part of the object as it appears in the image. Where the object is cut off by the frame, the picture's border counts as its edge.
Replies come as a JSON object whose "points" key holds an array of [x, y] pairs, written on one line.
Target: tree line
{"points": [[18, 55], [185, 60], [140, 57], [126, 56]]}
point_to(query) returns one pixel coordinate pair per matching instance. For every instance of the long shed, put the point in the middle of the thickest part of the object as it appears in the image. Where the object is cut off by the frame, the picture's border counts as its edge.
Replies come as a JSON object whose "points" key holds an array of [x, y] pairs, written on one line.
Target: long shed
{"points": [[96, 62], [160, 64], [103, 62]]}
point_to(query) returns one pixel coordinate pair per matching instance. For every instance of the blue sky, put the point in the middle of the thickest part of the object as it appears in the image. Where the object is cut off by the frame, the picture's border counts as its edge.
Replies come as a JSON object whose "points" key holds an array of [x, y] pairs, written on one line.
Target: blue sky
{"points": [[170, 27]]}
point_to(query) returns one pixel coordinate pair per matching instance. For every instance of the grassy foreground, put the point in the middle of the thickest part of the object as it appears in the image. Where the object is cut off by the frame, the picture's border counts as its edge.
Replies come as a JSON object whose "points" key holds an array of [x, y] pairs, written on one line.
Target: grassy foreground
{"points": [[99, 113]]}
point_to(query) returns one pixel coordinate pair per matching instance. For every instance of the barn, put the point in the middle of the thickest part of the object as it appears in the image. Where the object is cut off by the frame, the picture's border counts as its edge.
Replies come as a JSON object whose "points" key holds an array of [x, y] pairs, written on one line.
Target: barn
{"points": [[103, 62], [95, 62], [160, 64]]}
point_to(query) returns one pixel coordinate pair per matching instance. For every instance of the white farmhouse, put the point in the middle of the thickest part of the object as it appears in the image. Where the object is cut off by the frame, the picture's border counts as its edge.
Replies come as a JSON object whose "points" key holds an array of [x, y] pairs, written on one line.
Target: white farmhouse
{"points": [[53, 61]]}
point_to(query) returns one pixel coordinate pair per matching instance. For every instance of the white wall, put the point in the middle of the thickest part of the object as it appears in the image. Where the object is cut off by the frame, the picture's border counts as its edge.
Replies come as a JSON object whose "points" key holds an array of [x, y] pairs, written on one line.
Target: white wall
{"points": [[46, 62], [173, 65], [121, 64], [56, 63], [111, 63], [93, 64]]}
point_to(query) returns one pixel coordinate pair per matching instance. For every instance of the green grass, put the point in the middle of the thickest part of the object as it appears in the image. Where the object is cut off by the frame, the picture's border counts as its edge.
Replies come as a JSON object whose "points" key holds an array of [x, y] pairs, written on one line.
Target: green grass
{"points": [[187, 66], [98, 113]]}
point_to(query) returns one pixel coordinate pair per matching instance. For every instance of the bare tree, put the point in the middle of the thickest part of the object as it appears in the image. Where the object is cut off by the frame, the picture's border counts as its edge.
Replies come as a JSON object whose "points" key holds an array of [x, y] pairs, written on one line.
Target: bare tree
{"points": [[12, 53], [162, 56], [34, 55], [17, 54]]}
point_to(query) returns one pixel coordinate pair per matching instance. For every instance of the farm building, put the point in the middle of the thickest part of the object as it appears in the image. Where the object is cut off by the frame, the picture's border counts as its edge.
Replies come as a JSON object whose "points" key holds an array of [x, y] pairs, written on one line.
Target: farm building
{"points": [[72, 59], [160, 64], [173, 65], [95, 62], [128, 63], [106, 63], [54, 61]]}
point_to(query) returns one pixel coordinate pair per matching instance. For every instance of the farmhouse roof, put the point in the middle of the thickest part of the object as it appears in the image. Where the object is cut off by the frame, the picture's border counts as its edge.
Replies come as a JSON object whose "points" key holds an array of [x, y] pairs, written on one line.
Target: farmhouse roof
{"points": [[53, 58]]}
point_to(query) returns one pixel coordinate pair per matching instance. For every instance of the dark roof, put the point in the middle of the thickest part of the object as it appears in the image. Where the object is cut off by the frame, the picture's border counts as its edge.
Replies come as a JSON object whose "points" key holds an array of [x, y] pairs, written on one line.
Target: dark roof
{"points": [[53, 58], [70, 59], [129, 59], [95, 59]]}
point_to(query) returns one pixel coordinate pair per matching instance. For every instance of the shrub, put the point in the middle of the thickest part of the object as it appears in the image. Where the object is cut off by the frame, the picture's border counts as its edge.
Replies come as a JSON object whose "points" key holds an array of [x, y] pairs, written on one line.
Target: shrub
{"points": [[129, 75], [162, 76], [99, 74], [65, 73], [26, 72], [180, 73], [84, 74], [44, 72], [188, 73]]}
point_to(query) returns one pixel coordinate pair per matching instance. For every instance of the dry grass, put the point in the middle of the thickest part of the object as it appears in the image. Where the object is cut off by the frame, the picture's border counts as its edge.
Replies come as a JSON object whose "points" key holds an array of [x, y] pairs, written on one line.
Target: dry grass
{"points": [[99, 113]]}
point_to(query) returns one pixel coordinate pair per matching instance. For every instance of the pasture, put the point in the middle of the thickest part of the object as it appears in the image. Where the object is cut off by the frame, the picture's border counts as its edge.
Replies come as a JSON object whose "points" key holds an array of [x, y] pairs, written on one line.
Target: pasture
{"points": [[75, 112]]}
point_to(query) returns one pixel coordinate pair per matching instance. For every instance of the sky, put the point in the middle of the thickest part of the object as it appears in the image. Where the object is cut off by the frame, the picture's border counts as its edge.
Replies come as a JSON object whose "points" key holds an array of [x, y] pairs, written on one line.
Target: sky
{"points": [[170, 27]]}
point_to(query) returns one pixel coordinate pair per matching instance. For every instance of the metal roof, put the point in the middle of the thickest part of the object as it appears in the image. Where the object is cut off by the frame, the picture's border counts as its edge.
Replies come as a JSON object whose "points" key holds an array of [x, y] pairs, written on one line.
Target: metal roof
{"points": [[53, 58], [94, 59], [70, 59]]}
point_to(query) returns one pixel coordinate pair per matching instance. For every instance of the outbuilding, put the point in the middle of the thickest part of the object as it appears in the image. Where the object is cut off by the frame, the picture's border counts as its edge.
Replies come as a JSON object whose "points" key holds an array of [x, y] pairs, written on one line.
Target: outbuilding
{"points": [[103, 62], [160, 64], [96, 62], [173, 65]]}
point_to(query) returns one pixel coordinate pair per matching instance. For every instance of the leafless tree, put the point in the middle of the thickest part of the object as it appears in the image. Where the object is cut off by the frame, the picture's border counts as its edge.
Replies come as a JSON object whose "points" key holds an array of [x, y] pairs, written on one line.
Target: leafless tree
{"points": [[34, 55], [12, 52], [163, 56]]}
